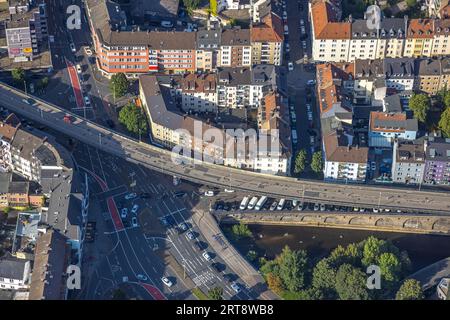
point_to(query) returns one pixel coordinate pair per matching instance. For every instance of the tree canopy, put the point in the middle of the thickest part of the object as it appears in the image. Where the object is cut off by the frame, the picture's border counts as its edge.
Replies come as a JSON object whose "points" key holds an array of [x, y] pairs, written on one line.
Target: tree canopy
{"points": [[240, 231], [411, 289], [420, 105], [216, 293], [133, 118], [18, 75], [317, 162], [444, 122], [300, 161], [119, 85], [351, 283]]}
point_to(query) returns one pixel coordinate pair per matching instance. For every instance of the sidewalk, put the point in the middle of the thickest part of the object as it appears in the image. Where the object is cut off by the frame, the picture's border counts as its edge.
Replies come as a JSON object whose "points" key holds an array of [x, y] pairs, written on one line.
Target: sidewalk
{"points": [[214, 236]]}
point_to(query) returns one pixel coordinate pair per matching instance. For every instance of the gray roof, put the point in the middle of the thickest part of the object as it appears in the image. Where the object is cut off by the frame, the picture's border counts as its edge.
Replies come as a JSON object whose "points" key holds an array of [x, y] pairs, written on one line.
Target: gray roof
{"points": [[236, 37], [392, 103], [399, 68], [46, 156], [429, 67], [392, 28], [264, 74], [369, 69], [19, 187], [438, 150], [12, 268], [26, 143], [5, 179], [235, 76], [361, 31], [209, 39]]}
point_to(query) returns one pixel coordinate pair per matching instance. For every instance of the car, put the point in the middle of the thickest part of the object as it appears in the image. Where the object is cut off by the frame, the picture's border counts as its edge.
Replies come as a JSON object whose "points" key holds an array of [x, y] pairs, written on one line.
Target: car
{"points": [[209, 193], [206, 256], [273, 206], [190, 235], [87, 101], [287, 47], [32, 88], [236, 287], [130, 196], [110, 123], [304, 45], [362, 210], [72, 47], [183, 226], [135, 209], [308, 107], [387, 210], [141, 277], [355, 209], [164, 221], [322, 207], [294, 203], [311, 82], [312, 140], [134, 222], [228, 190], [300, 206], [375, 210], [124, 213], [310, 118], [179, 194], [88, 51], [316, 207], [145, 195], [302, 22], [79, 68], [166, 281], [166, 24], [290, 66], [303, 30], [218, 266], [176, 180]]}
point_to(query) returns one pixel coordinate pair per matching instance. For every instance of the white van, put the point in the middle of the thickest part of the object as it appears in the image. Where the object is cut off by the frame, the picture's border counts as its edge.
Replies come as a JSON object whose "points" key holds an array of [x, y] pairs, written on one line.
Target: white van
{"points": [[244, 203], [281, 204], [252, 203], [261, 203]]}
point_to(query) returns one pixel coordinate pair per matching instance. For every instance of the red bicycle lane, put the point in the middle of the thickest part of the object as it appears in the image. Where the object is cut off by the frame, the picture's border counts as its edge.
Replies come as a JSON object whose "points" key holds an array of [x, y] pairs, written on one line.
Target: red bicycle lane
{"points": [[76, 86], [153, 291]]}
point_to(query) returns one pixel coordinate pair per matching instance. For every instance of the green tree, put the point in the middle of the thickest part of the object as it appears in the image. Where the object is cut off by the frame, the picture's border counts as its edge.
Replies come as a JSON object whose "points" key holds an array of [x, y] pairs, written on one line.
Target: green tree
{"points": [[410, 290], [351, 283], [420, 105], [251, 255], [411, 3], [444, 122], [18, 75], [119, 85], [43, 83], [293, 266], [216, 293], [119, 294], [133, 118], [191, 5], [324, 279], [240, 231], [390, 267], [373, 248], [317, 162], [300, 161], [269, 266]]}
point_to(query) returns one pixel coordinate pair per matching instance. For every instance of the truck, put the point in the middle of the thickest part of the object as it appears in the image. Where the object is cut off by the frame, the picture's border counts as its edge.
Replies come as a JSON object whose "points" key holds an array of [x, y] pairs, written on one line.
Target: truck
{"points": [[244, 203], [261, 203], [252, 203], [294, 136]]}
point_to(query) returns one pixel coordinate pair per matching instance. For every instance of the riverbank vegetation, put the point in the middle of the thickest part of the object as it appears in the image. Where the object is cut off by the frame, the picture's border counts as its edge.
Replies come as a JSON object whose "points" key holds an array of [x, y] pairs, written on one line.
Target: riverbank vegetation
{"points": [[342, 274]]}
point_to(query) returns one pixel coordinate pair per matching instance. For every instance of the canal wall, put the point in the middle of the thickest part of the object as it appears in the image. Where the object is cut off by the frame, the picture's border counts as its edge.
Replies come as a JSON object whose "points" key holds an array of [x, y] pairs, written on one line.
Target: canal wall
{"points": [[426, 224]]}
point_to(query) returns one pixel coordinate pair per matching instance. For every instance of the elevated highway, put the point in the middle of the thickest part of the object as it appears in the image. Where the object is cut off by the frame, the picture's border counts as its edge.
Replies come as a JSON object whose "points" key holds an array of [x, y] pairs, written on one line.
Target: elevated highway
{"points": [[425, 201]]}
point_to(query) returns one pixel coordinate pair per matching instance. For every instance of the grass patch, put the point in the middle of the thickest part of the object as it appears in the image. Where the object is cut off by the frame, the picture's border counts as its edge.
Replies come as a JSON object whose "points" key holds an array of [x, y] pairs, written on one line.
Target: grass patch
{"points": [[199, 294]]}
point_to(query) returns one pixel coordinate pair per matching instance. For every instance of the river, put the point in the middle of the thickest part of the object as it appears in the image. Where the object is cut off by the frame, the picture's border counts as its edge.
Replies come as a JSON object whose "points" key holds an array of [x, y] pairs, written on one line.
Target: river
{"points": [[269, 240]]}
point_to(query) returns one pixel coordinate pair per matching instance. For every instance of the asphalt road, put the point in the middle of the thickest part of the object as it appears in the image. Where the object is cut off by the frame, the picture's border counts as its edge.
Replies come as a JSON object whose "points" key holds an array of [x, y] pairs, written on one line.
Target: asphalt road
{"points": [[129, 251]]}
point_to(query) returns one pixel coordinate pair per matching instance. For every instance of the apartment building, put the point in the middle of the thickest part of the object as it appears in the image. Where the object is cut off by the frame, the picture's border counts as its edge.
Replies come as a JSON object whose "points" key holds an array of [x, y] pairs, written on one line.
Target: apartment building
{"points": [[437, 161], [391, 37], [235, 48], [419, 39], [344, 161], [208, 49], [408, 162], [386, 127], [244, 87], [14, 273], [25, 28], [198, 92], [8, 129], [267, 40], [429, 76]]}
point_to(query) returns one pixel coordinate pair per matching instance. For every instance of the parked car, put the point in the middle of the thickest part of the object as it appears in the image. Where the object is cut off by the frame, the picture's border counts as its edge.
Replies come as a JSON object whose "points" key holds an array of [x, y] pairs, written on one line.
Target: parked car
{"points": [[124, 213], [87, 101], [79, 68], [273, 206], [290, 66], [206, 256], [134, 222], [190, 235], [130, 196], [183, 226], [167, 282], [72, 47], [209, 193], [316, 207], [236, 287], [166, 24], [135, 209]]}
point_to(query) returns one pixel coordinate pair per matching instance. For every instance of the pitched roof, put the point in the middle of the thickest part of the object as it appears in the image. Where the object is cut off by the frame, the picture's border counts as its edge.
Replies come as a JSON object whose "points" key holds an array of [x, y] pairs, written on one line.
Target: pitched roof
{"points": [[270, 30], [338, 148], [192, 82], [325, 22], [12, 268], [235, 37], [391, 122], [421, 28]]}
